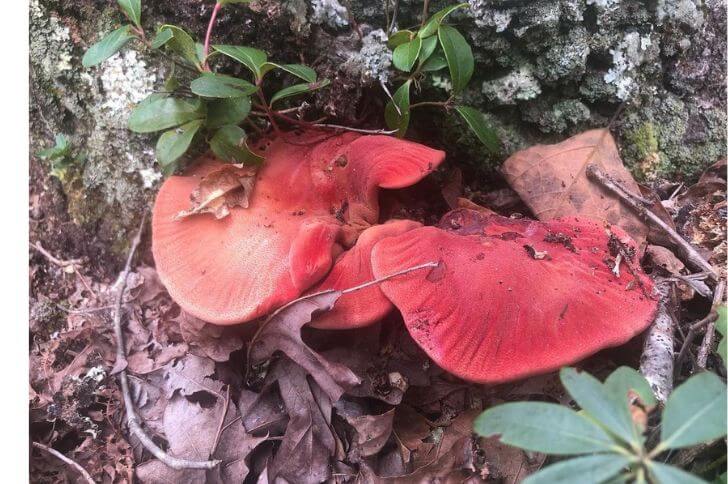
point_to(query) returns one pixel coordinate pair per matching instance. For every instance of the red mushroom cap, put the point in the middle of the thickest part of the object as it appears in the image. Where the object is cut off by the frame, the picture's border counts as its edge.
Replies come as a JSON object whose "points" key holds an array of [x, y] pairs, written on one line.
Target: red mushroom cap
{"points": [[352, 268], [313, 192], [513, 298]]}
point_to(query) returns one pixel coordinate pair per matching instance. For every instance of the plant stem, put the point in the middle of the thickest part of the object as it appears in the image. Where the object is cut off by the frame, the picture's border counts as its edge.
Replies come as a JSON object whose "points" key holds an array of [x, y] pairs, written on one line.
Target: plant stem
{"points": [[268, 111], [425, 8], [443, 104], [206, 49]]}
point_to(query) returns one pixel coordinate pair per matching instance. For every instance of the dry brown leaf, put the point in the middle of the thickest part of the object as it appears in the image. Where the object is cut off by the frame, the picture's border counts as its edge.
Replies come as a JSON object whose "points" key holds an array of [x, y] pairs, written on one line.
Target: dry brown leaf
{"points": [[371, 433], [221, 190], [192, 374], [552, 181]]}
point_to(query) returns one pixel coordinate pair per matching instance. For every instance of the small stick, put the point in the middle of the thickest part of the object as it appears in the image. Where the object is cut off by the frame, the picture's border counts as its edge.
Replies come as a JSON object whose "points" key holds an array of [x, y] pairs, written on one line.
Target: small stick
{"points": [[393, 22], [65, 459], [656, 363], [355, 130], [707, 345], [132, 419], [695, 327], [692, 255], [54, 260], [389, 95], [425, 8]]}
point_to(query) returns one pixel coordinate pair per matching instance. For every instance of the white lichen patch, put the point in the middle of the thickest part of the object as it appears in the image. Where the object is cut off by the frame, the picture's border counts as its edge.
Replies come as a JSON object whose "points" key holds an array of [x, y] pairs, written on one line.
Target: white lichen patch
{"points": [[126, 81], [329, 12], [442, 82], [374, 58], [57, 59], [518, 85], [150, 176], [486, 16], [627, 55]]}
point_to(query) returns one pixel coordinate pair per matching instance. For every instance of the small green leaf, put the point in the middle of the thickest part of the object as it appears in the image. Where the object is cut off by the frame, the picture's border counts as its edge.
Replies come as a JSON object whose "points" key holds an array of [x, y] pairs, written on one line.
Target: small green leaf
{"points": [[299, 70], [174, 143], [163, 36], [593, 398], [297, 89], [667, 474], [543, 427], [62, 148], [405, 55], [171, 83], [251, 58], [477, 123], [229, 144], [695, 412], [435, 21], [434, 63], [227, 111], [397, 110], [592, 468], [623, 379], [459, 57], [399, 37], [182, 44], [428, 47], [108, 46], [160, 113], [133, 10], [721, 325], [221, 86]]}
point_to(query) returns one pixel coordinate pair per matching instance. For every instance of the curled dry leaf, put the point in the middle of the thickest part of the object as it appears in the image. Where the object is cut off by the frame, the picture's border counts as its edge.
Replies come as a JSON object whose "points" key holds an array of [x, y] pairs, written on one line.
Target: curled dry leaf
{"points": [[220, 190]]}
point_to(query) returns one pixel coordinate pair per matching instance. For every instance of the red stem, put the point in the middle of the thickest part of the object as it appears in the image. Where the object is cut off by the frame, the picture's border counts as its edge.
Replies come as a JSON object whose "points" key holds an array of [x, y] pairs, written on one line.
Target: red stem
{"points": [[206, 50]]}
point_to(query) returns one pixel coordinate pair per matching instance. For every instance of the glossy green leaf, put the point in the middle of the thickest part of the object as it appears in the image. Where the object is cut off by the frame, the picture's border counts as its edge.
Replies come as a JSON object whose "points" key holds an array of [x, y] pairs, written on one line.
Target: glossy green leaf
{"points": [[543, 427], [175, 142], [429, 45], [399, 37], [229, 111], [229, 144], [478, 124], [625, 379], [397, 110], [163, 36], [436, 62], [182, 43], [434, 22], [595, 400], [592, 468], [299, 70], [721, 325], [160, 113], [695, 412], [667, 474], [405, 55], [108, 46], [221, 86], [297, 89], [459, 57], [251, 58], [133, 10]]}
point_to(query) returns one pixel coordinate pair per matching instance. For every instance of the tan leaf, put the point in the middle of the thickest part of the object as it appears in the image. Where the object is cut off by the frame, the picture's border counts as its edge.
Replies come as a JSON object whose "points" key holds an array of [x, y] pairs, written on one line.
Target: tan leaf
{"points": [[552, 181], [221, 190]]}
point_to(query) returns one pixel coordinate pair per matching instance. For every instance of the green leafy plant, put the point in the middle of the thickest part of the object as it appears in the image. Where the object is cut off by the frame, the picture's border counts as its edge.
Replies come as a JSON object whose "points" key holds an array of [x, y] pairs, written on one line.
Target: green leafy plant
{"points": [[721, 325], [608, 433], [429, 49], [61, 157]]}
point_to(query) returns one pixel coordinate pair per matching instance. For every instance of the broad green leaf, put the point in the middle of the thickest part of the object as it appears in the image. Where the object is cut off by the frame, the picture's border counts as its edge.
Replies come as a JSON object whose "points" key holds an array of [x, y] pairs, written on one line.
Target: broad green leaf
{"points": [[477, 123], [108, 46], [397, 110], [434, 63], [428, 47], [592, 468], [405, 55], [543, 427], [593, 398], [299, 70], [721, 479], [61, 148], [229, 144], [165, 112], [163, 36], [399, 37], [458, 55], [182, 44], [623, 379], [297, 89], [251, 58], [221, 86], [721, 325], [229, 111], [133, 10], [667, 474], [171, 83], [695, 412], [174, 143], [434, 22]]}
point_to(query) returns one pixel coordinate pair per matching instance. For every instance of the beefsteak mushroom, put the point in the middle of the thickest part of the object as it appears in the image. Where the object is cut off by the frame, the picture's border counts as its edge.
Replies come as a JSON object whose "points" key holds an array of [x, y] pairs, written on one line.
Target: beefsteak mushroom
{"points": [[312, 198], [513, 298]]}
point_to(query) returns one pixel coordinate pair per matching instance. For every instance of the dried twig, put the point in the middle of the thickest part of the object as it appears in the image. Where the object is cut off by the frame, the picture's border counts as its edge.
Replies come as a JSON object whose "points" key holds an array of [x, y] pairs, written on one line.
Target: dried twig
{"points": [[707, 321], [691, 255], [707, 345], [355, 130], [54, 260], [65, 459], [132, 419], [656, 363]]}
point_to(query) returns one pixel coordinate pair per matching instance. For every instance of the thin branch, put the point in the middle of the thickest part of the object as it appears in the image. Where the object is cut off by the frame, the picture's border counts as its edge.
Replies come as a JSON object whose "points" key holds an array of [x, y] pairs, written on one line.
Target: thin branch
{"points": [[425, 8], [355, 130], [707, 345], [54, 260], [389, 95], [206, 49], [390, 276], [691, 255], [656, 363], [132, 419], [394, 17], [66, 460], [708, 321]]}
